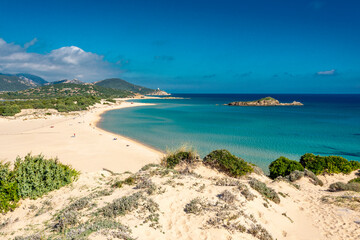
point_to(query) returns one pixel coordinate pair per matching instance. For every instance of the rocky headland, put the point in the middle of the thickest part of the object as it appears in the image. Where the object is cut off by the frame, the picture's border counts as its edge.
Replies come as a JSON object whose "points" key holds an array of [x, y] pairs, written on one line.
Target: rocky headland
{"points": [[268, 101]]}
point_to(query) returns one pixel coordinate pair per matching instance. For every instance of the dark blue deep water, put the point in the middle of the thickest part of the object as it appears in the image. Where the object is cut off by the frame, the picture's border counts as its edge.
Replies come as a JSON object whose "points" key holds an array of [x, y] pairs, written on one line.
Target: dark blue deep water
{"points": [[325, 125]]}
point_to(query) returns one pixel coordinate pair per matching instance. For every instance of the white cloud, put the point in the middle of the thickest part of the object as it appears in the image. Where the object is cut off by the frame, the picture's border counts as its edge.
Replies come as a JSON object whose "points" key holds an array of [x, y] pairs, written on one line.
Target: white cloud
{"points": [[66, 62], [329, 72]]}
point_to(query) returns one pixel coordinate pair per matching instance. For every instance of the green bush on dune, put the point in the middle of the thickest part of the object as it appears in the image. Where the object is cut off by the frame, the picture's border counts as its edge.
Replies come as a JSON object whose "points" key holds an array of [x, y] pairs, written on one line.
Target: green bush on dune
{"points": [[283, 167], [329, 164], [31, 177], [223, 160], [180, 156]]}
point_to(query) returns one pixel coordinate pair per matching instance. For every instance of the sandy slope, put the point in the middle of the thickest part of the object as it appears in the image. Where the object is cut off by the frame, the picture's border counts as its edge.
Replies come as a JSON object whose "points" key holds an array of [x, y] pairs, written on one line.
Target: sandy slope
{"points": [[301, 215], [92, 149]]}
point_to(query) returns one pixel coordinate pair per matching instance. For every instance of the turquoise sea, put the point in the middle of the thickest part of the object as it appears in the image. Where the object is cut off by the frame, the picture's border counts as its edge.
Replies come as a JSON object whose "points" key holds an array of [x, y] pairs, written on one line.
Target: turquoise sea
{"points": [[326, 125]]}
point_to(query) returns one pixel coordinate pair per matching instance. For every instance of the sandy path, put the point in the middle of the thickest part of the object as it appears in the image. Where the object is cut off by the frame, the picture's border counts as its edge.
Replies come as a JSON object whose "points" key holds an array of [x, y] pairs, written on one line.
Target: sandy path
{"points": [[92, 149]]}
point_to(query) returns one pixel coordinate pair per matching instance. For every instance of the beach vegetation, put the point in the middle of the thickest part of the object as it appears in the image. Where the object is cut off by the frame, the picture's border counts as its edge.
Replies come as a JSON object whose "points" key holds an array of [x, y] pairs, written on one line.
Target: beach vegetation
{"points": [[283, 167], [259, 232], [195, 206], [357, 180], [224, 161], [121, 206], [182, 155], [328, 164], [227, 196], [340, 186], [32, 177], [264, 190]]}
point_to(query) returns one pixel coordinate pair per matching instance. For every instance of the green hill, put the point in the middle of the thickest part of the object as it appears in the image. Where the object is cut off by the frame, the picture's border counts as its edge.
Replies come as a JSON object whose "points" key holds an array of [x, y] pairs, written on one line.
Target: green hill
{"points": [[118, 83], [9, 82], [66, 90], [36, 79]]}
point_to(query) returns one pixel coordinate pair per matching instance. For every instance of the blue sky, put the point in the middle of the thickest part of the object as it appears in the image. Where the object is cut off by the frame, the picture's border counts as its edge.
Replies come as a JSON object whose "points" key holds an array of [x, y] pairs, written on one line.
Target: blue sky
{"points": [[249, 46]]}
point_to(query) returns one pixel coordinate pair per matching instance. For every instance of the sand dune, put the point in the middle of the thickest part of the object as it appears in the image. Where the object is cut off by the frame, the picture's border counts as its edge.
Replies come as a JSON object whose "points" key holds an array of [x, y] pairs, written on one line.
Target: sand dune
{"points": [[302, 214]]}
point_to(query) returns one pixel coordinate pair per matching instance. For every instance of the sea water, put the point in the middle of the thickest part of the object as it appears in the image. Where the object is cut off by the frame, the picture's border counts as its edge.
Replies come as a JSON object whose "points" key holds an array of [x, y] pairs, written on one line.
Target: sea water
{"points": [[325, 125]]}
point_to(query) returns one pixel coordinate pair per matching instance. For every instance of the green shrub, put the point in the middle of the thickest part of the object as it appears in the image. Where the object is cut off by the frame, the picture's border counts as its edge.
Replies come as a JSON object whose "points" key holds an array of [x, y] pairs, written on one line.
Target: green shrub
{"points": [[283, 167], [8, 189], [32, 177], [179, 156], [37, 176], [10, 110], [357, 180], [264, 190], [340, 186], [223, 160], [328, 164]]}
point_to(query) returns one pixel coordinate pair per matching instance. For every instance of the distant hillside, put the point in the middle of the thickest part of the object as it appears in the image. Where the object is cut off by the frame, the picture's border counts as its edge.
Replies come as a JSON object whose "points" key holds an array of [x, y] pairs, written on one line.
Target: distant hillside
{"points": [[74, 81], [36, 79], [22, 81], [66, 90], [118, 83]]}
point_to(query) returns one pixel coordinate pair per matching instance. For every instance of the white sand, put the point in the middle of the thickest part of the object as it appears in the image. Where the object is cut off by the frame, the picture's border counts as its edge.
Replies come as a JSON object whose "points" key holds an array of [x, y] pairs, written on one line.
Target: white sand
{"points": [[92, 149], [307, 216]]}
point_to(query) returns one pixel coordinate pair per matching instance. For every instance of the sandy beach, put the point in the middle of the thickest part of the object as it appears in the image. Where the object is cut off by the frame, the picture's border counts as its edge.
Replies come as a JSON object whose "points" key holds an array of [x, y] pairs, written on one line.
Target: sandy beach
{"points": [[307, 212], [91, 149]]}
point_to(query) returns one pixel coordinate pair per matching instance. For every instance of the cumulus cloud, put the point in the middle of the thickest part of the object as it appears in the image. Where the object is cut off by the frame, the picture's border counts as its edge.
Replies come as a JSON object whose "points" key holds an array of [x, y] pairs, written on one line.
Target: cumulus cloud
{"points": [[327, 73], [66, 62]]}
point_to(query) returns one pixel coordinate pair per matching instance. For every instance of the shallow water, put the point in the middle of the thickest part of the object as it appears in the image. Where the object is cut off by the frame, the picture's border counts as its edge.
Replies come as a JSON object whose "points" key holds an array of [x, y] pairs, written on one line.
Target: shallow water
{"points": [[325, 125]]}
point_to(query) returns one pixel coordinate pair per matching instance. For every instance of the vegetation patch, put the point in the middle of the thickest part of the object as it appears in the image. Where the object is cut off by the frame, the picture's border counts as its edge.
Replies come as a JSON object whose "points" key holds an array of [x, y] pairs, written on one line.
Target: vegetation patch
{"points": [[328, 164], [345, 201], [283, 167], [356, 180], [264, 190], [32, 177], [260, 232], [340, 186], [121, 206], [224, 161], [195, 206], [182, 155], [227, 196]]}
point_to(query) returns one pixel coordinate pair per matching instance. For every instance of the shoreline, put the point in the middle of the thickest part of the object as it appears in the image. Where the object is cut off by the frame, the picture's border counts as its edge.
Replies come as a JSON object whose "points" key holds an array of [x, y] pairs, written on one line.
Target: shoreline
{"points": [[75, 139], [99, 116]]}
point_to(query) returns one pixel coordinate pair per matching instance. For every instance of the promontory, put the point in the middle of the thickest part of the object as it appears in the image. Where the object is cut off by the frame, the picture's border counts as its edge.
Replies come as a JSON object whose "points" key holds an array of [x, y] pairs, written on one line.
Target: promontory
{"points": [[268, 101]]}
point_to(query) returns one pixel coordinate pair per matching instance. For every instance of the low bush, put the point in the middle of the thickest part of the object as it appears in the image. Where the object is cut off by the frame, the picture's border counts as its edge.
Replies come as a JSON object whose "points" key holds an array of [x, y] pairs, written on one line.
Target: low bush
{"points": [[340, 186], [8, 188], [313, 177], [357, 180], [121, 206], [180, 156], [195, 206], [329, 164], [227, 196], [37, 176], [264, 190], [31, 177], [224, 161], [283, 167]]}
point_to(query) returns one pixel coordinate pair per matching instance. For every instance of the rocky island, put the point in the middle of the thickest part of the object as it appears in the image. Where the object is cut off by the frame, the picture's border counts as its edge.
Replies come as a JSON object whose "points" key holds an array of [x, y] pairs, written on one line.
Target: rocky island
{"points": [[268, 101]]}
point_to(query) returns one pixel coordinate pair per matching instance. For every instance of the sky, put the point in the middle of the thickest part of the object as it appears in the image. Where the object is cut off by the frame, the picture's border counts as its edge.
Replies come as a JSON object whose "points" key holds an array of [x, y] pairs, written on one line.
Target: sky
{"points": [[198, 46]]}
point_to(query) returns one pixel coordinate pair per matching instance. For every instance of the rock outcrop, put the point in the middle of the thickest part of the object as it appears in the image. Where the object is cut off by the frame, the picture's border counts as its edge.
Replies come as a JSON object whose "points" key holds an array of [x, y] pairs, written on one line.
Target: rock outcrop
{"points": [[268, 101], [159, 92]]}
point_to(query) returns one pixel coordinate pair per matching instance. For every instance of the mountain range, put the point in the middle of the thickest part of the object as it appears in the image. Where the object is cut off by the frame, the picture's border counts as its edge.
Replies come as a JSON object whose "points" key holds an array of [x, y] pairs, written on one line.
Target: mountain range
{"points": [[23, 81]]}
